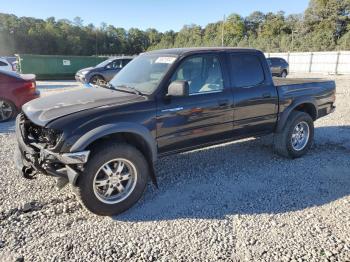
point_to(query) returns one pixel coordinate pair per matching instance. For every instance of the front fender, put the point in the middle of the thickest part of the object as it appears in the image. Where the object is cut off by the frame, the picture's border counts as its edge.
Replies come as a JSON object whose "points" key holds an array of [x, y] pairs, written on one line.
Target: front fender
{"points": [[108, 129]]}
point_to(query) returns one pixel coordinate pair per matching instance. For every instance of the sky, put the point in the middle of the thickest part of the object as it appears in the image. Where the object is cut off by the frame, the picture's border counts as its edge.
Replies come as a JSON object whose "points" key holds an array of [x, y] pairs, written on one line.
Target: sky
{"points": [[162, 15]]}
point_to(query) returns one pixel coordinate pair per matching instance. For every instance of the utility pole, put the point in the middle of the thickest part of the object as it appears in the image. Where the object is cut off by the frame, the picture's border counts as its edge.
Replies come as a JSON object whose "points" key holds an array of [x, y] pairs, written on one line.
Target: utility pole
{"points": [[346, 43], [96, 42], [222, 31], [293, 39]]}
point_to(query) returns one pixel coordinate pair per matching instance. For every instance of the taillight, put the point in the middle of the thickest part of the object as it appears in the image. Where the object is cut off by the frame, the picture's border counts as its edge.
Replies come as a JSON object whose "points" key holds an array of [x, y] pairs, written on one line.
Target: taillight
{"points": [[31, 85], [14, 67]]}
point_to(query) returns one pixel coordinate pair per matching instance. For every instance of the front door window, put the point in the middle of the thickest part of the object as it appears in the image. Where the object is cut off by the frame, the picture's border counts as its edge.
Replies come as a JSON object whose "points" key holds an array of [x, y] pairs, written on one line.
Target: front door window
{"points": [[203, 74]]}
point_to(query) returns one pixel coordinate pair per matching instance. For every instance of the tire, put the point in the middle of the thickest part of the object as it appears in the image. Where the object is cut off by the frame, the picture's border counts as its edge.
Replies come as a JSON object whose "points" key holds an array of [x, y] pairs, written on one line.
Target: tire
{"points": [[97, 80], [283, 141], [7, 110], [284, 74], [93, 197]]}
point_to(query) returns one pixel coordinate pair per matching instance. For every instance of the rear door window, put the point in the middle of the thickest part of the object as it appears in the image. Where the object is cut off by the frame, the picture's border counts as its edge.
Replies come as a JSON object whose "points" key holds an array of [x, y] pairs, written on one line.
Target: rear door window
{"points": [[3, 63], [246, 70]]}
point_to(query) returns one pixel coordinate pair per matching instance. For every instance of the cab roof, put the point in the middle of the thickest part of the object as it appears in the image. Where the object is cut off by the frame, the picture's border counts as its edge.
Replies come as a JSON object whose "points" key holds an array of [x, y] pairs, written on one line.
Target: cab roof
{"points": [[183, 51]]}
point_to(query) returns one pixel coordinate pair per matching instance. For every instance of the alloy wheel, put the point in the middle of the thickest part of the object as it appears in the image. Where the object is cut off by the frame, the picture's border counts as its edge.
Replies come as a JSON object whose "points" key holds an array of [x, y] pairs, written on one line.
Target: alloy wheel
{"points": [[98, 81], [300, 136], [115, 181], [6, 110]]}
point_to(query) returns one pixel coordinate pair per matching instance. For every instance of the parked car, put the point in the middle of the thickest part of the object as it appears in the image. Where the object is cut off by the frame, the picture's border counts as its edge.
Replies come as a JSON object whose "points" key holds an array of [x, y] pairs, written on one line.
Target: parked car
{"points": [[15, 91], [13, 61], [278, 66], [6, 65], [105, 141], [103, 72]]}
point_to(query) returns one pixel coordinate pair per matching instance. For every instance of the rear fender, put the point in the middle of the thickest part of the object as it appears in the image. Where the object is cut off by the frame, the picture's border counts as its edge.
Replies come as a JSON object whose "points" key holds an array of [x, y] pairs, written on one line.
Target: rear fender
{"points": [[283, 117]]}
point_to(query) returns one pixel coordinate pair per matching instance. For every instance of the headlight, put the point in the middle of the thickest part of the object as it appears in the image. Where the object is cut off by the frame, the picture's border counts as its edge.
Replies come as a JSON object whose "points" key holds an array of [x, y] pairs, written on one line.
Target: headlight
{"points": [[84, 72], [49, 137]]}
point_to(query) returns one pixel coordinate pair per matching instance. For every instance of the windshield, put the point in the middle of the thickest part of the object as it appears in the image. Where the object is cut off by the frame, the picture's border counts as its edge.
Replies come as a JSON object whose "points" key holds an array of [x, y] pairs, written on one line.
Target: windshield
{"points": [[144, 73], [104, 63]]}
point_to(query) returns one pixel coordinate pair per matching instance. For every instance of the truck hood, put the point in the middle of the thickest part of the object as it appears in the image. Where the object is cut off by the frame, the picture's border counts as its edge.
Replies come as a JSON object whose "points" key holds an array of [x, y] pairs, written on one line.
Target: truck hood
{"points": [[43, 110]]}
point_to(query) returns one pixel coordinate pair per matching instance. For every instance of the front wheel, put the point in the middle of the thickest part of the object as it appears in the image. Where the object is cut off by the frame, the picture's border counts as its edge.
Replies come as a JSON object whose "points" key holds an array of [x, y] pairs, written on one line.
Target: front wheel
{"points": [[113, 180], [98, 80], [296, 137]]}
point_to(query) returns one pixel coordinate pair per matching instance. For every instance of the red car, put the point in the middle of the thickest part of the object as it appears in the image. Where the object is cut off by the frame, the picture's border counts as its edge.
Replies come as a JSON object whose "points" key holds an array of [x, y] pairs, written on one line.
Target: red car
{"points": [[15, 91]]}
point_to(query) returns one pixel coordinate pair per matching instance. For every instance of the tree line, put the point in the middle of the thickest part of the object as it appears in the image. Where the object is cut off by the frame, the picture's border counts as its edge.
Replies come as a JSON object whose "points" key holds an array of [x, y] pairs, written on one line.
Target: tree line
{"points": [[324, 26]]}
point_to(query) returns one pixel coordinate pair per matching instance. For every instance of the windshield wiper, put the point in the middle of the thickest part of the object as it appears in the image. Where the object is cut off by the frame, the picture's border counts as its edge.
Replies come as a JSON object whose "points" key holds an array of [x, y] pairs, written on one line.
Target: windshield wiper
{"points": [[127, 89]]}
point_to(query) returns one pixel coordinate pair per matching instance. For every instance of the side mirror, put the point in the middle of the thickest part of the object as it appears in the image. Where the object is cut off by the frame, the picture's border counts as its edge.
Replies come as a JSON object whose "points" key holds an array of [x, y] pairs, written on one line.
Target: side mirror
{"points": [[178, 88]]}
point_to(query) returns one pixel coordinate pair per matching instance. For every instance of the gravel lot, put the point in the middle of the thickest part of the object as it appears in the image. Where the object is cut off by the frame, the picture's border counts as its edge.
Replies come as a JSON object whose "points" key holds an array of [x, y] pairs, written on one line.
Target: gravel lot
{"points": [[233, 202]]}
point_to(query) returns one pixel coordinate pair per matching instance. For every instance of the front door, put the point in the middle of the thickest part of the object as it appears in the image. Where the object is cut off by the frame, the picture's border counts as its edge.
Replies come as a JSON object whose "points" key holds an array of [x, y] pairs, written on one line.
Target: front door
{"points": [[112, 69], [205, 115]]}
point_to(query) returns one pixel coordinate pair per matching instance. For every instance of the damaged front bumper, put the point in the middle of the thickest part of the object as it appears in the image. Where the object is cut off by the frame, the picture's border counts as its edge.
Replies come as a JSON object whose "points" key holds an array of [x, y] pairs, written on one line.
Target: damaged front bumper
{"points": [[33, 158]]}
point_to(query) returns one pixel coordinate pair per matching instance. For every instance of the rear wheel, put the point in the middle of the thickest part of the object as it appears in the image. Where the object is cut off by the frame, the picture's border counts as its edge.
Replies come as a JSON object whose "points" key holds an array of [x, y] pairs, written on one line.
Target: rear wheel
{"points": [[7, 110], [114, 179], [296, 137]]}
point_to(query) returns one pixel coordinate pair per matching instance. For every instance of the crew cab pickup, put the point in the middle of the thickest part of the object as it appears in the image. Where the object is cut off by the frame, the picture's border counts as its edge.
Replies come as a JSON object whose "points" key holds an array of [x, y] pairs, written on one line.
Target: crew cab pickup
{"points": [[106, 141]]}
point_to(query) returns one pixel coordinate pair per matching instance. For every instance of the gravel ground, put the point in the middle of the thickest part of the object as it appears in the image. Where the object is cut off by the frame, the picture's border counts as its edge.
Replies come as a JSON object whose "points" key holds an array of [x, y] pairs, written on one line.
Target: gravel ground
{"points": [[233, 202]]}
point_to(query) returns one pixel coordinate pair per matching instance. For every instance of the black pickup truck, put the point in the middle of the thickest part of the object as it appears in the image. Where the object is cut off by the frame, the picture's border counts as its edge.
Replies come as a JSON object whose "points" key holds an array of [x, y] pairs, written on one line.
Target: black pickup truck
{"points": [[106, 141]]}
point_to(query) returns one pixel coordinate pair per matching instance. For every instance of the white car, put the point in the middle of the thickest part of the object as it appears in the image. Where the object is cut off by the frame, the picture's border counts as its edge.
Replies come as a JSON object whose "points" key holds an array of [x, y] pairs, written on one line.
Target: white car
{"points": [[6, 65]]}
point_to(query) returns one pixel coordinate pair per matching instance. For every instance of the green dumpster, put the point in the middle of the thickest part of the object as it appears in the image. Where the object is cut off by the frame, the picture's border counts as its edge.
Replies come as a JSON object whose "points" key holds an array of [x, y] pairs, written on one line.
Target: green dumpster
{"points": [[54, 67]]}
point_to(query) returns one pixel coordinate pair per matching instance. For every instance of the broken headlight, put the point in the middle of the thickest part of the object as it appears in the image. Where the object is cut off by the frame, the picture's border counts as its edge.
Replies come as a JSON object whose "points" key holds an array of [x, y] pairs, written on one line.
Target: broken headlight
{"points": [[48, 137]]}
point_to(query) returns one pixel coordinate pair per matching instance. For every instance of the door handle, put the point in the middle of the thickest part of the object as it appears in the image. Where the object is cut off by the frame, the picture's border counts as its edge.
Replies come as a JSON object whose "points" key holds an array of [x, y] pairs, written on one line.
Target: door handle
{"points": [[223, 102], [266, 95]]}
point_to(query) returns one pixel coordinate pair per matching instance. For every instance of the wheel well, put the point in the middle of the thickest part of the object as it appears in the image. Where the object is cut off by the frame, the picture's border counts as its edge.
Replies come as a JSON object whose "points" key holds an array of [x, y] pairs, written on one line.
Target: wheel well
{"points": [[98, 75], [129, 138], [309, 109], [132, 139]]}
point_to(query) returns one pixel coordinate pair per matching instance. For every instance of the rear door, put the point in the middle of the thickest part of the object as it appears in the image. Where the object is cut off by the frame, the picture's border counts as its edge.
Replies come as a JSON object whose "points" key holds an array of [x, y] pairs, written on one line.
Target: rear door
{"points": [[255, 96], [206, 115]]}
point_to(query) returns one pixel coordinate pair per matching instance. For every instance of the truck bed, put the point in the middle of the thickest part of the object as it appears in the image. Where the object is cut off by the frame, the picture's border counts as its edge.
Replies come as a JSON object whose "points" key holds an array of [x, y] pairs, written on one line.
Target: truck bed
{"points": [[321, 92], [297, 81]]}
